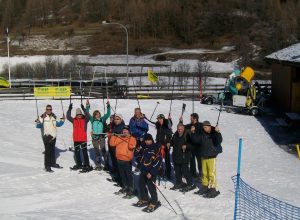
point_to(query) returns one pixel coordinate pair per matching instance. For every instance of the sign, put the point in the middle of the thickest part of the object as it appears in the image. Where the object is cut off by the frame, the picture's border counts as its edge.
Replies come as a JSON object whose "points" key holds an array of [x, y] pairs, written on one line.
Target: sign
{"points": [[60, 91]]}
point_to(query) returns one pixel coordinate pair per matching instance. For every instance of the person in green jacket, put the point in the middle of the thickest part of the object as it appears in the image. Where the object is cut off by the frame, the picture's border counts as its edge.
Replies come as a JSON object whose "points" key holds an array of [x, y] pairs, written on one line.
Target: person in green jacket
{"points": [[98, 136]]}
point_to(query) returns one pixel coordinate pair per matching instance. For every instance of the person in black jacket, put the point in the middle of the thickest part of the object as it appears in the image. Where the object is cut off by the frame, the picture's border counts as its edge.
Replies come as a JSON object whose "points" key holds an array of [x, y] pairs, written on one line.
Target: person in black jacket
{"points": [[163, 137], [151, 161], [210, 141], [196, 153], [181, 158], [116, 127]]}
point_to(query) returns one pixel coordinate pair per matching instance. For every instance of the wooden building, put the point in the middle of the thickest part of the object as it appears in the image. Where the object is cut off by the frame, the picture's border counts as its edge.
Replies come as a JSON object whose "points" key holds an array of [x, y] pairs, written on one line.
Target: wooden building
{"points": [[286, 78]]}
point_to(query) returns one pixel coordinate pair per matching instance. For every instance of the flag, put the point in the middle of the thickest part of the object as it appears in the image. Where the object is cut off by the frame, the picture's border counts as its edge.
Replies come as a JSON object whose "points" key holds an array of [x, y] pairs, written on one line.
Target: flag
{"points": [[151, 76], [60, 91], [4, 83]]}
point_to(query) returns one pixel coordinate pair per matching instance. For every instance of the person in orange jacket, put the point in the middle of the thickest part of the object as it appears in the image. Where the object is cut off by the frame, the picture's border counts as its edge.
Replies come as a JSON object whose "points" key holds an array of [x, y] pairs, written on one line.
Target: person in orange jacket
{"points": [[125, 145]]}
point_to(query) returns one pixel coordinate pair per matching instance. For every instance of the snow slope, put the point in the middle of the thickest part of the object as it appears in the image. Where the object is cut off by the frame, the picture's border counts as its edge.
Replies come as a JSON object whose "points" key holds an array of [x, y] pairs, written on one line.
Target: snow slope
{"points": [[27, 192]]}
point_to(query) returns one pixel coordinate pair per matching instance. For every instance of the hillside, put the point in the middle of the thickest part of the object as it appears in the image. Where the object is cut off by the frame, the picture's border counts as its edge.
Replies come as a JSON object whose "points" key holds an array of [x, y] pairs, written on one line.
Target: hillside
{"points": [[255, 28]]}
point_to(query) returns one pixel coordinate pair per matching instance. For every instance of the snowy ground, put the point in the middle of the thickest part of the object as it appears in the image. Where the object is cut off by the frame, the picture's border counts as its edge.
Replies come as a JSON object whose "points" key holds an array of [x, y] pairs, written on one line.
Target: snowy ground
{"points": [[217, 67], [27, 192]]}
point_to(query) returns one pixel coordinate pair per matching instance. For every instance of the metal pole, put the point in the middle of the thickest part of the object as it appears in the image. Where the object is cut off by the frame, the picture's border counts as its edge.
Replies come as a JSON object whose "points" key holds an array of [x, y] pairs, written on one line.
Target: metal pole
{"points": [[124, 27], [237, 189], [8, 40]]}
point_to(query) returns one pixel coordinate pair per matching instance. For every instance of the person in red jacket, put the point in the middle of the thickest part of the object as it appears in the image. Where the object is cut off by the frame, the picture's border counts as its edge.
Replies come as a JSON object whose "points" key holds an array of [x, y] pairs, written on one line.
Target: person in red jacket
{"points": [[80, 137]]}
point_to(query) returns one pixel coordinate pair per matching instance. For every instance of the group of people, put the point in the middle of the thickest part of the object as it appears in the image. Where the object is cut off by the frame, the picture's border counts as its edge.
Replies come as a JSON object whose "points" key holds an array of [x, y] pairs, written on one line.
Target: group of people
{"points": [[131, 146]]}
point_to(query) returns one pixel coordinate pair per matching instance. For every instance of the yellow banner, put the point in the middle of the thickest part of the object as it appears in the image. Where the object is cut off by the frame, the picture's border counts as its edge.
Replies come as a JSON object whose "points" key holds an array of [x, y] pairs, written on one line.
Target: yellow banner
{"points": [[60, 91], [151, 76]]}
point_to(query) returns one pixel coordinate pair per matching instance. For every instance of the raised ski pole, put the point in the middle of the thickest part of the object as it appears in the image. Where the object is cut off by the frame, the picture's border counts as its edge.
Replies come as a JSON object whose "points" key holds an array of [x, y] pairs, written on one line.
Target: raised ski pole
{"points": [[36, 106], [157, 103], [172, 97], [193, 93], [135, 92], [91, 85], [164, 197], [221, 106], [62, 108]]}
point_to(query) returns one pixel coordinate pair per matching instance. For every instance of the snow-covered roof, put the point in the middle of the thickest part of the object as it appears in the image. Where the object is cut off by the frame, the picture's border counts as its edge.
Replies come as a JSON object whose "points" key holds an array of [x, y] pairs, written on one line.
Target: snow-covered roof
{"points": [[289, 54]]}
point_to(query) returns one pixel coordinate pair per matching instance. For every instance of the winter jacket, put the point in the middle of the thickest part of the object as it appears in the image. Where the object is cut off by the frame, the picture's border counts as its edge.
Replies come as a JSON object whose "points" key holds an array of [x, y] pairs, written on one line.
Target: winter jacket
{"points": [[138, 127], [97, 124], [208, 143], [124, 146], [151, 159], [117, 129], [49, 124], [79, 126], [180, 157], [164, 132]]}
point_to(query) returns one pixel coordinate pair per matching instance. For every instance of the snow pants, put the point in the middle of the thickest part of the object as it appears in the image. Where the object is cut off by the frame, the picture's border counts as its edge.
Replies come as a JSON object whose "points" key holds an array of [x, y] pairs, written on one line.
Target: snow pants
{"points": [[148, 183], [209, 172], [125, 168], [83, 147], [183, 170], [49, 157], [99, 147]]}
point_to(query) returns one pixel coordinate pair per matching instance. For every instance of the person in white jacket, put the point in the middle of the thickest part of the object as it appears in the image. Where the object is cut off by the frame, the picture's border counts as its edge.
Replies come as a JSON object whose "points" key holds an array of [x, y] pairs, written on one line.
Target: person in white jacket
{"points": [[48, 124]]}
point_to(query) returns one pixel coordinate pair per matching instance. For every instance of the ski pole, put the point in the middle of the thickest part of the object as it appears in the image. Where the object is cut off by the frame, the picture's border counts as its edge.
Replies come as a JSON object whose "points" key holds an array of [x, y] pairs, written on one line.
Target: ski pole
{"points": [[157, 103], [135, 93], [193, 92], [172, 97], [164, 197], [106, 85], [222, 102], [37, 110], [91, 85], [62, 107]]}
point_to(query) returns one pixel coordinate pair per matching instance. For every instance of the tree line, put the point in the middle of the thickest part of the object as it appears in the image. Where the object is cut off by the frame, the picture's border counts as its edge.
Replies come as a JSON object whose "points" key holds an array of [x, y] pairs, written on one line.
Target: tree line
{"points": [[269, 24]]}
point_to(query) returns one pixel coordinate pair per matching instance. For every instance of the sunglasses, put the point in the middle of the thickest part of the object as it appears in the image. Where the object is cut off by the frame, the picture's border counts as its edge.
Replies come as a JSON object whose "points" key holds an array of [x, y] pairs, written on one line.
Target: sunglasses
{"points": [[117, 119], [49, 109]]}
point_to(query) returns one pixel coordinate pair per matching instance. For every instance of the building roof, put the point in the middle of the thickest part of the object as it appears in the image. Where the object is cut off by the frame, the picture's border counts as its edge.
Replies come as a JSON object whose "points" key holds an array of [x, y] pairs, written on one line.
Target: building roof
{"points": [[289, 55]]}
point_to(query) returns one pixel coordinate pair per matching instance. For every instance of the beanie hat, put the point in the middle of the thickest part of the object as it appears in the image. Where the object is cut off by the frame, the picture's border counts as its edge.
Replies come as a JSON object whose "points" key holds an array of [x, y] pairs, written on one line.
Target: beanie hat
{"points": [[119, 116], [148, 137], [206, 123], [160, 116], [78, 111], [126, 127]]}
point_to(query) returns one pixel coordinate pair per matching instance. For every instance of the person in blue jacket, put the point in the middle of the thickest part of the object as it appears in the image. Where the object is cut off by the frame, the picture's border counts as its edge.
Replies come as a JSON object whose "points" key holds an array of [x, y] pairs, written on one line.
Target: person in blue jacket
{"points": [[151, 162], [138, 126]]}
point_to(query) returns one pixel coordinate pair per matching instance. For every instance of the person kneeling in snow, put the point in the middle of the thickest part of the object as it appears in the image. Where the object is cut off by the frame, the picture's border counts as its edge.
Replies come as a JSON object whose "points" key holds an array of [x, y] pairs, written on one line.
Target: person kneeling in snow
{"points": [[210, 144], [125, 145], [151, 162]]}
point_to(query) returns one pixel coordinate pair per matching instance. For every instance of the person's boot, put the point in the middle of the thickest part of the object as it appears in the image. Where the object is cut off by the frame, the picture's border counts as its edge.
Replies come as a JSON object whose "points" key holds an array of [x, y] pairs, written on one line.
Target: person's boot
{"points": [[129, 194], [56, 165], [177, 186], [211, 193], [76, 167], [121, 191], [48, 169], [202, 190], [188, 188]]}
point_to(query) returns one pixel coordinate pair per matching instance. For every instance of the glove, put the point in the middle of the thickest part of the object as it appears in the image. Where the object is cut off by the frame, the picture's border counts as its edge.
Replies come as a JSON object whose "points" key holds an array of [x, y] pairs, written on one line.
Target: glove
{"points": [[82, 107], [107, 104], [71, 106]]}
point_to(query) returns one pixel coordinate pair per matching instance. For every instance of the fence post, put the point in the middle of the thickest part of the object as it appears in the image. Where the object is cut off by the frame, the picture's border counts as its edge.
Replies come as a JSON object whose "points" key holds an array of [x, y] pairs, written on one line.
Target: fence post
{"points": [[298, 150], [237, 189]]}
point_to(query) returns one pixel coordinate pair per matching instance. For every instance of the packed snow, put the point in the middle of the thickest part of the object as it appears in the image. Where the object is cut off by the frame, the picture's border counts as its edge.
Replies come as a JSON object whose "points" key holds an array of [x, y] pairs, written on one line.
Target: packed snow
{"points": [[168, 66], [28, 192], [290, 53]]}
